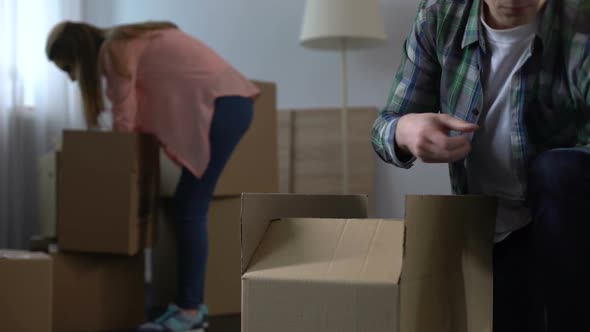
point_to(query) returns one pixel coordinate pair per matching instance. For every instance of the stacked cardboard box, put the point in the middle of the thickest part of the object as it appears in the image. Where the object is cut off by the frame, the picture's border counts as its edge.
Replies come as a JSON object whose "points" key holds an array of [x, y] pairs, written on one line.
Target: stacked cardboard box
{"points": [[103, 216], [100, 193], [253, 167], [314, 263], [26, 288], [97, 292]]}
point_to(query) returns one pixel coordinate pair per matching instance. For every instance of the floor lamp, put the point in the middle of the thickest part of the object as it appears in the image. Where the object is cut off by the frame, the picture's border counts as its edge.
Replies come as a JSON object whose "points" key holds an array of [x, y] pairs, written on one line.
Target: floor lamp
{"points": [[342, 25]]}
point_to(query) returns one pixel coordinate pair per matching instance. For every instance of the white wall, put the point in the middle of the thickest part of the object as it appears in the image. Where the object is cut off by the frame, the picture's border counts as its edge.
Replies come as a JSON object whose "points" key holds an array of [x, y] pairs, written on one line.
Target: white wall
{"points": [[260, 38]]}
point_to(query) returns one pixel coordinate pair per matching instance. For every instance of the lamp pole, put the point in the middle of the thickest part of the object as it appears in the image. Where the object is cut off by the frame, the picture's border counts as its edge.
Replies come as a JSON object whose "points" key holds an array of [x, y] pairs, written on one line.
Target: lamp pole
{"points": [[344, 162]]}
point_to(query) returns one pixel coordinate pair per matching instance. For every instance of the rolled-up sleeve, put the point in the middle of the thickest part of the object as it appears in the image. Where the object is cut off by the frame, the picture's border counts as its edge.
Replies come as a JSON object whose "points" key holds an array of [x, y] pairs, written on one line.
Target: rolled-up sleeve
{"points": [[415, 88]]}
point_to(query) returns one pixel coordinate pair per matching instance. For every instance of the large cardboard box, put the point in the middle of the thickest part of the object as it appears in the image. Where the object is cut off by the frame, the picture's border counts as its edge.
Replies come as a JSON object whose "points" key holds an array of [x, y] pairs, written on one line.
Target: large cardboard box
{"points": [[429, 272], [25, 291], [108, 192], [253, 166], [97, 292]]}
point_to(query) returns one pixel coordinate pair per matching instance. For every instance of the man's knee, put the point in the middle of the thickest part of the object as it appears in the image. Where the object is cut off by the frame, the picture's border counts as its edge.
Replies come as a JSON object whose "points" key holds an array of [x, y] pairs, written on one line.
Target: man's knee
{"points": [[558, 172]]}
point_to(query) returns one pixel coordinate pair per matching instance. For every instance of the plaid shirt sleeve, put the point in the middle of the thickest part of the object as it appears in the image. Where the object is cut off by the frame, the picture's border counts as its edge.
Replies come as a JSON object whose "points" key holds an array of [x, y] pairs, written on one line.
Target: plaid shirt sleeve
{"points": [[584, 78], [580, 57], [584, 85], [415, 88]]}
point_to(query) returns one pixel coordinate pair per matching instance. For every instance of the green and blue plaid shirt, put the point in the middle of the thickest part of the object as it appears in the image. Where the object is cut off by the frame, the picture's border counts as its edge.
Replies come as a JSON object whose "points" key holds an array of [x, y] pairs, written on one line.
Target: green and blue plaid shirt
{"points": [[441, 72]]}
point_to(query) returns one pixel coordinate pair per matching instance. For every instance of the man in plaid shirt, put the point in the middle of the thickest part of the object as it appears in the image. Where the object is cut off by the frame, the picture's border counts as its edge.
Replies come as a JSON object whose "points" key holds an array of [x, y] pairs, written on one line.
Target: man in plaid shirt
{"points": [[500, 90]]}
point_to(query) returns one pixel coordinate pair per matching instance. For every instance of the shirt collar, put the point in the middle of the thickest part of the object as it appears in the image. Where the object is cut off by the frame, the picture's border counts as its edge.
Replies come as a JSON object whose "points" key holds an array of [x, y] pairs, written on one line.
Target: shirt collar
{"points": [[473, 30]]}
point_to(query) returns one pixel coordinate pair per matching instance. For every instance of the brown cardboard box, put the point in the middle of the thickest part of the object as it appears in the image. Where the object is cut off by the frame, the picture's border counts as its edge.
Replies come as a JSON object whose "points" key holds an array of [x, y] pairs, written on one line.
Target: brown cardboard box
{"points": [[97, 292], [430, 272], [223, 288], [310, 148], [26, 293], [107, 194], [253, 167]]}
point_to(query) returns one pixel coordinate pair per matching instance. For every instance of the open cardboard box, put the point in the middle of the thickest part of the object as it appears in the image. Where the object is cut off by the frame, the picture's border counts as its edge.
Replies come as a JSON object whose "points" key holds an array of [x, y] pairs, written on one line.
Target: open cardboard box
{"points": [[339, 272]]}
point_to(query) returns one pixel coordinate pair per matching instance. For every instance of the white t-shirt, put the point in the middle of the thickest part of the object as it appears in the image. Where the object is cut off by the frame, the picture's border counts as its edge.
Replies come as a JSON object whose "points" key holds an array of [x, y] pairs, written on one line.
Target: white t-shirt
{"points": [[491, 169]]}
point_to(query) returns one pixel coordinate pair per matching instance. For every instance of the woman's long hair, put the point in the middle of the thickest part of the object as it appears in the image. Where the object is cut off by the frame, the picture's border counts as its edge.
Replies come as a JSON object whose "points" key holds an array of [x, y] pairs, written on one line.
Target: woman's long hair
{"points": [[78, 44]]}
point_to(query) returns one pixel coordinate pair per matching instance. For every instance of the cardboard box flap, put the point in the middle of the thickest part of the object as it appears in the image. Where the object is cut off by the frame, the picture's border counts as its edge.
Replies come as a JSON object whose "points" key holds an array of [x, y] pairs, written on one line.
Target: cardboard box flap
{"points": [[334, 250], [259, 209], [22, 255], [447, 282], [441, 228]]}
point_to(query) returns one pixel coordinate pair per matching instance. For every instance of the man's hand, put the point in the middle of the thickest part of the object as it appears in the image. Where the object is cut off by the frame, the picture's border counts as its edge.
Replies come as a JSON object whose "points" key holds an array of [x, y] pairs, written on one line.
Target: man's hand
{"points": [[426, 136]]}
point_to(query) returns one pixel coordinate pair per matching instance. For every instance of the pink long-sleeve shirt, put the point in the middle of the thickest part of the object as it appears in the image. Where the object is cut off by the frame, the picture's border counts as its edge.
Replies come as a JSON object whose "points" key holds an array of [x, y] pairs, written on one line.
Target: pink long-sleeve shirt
{"points": [[174, 81]]}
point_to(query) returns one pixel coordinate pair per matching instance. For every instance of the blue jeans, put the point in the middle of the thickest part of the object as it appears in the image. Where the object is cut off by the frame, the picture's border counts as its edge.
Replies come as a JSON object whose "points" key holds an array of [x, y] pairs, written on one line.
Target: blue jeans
{"points": [[231, 120], [542, 272]]}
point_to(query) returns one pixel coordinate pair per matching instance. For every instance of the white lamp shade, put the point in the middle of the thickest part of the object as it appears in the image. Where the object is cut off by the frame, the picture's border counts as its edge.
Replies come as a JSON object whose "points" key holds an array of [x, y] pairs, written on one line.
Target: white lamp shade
{"points": [[326, 23]]}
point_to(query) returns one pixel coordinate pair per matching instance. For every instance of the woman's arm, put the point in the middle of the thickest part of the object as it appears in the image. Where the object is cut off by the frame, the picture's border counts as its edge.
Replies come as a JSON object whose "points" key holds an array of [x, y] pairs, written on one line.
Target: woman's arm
{"points": [[115, 58]]}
